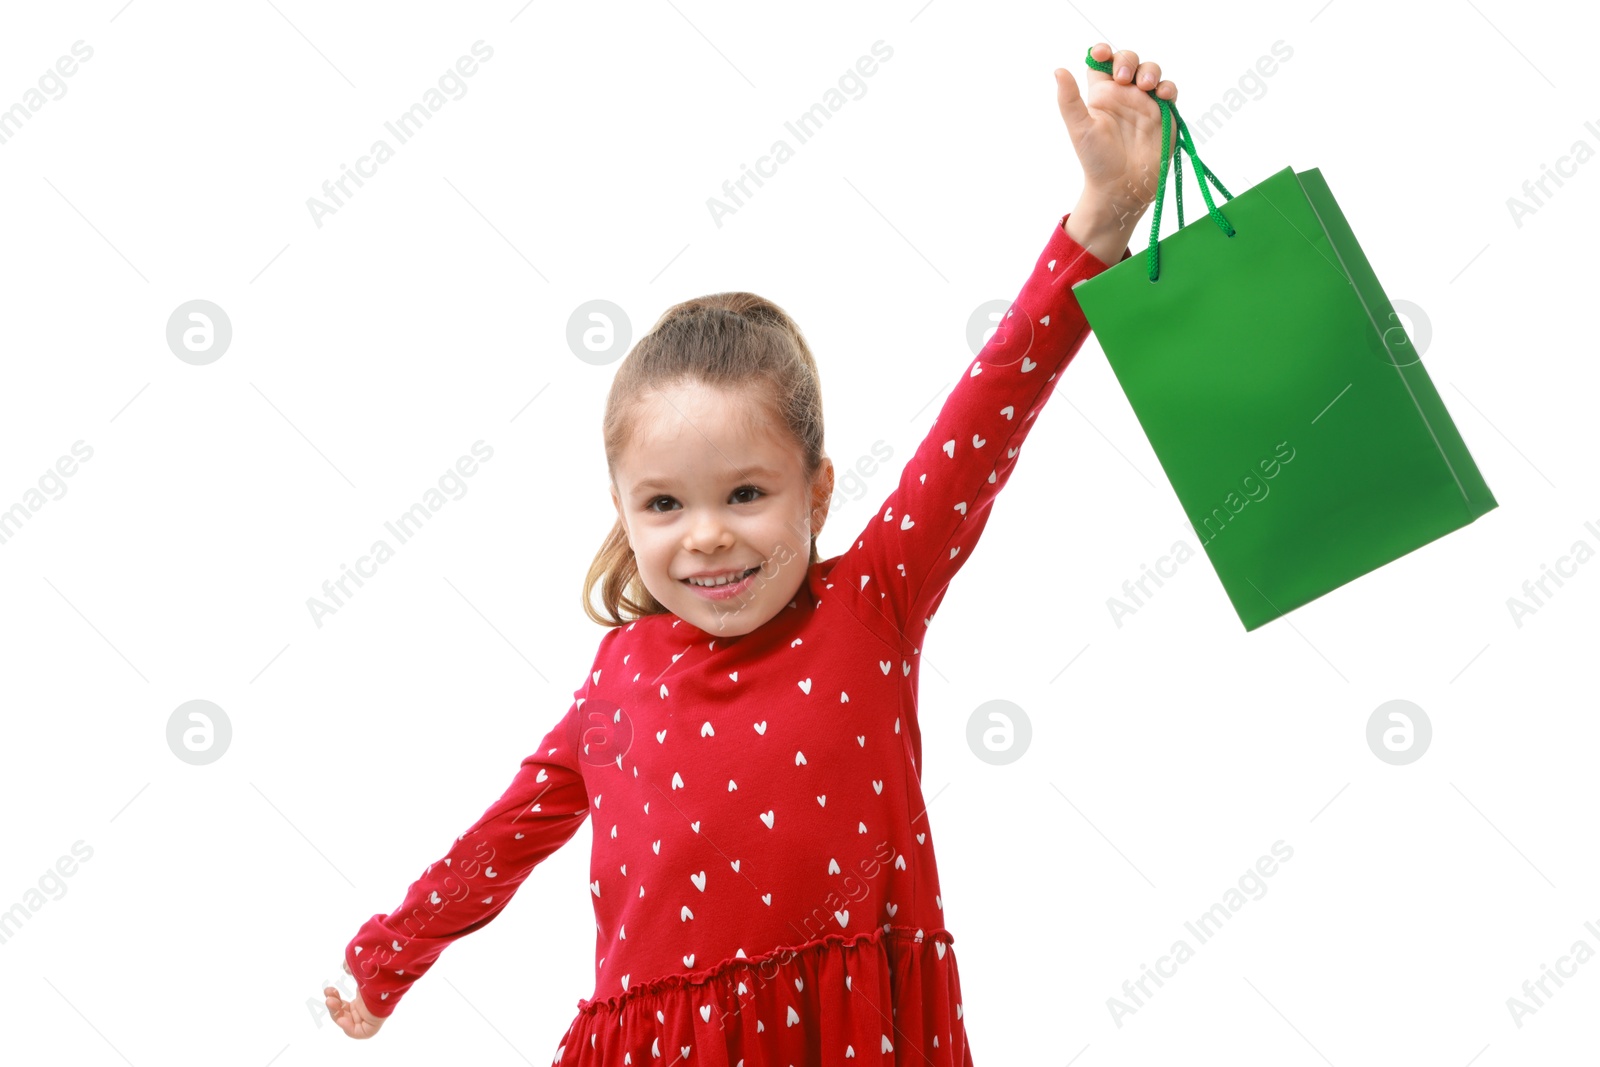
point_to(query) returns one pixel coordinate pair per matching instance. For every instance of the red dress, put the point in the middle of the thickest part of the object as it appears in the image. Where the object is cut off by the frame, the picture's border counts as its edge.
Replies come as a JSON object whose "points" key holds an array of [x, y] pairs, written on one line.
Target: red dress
{"points": [[762, 872]]}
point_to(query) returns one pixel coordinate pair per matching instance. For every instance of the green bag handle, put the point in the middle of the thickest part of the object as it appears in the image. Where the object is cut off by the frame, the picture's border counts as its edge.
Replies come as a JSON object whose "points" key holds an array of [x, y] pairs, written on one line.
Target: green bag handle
{"points": [[1169, 115]]}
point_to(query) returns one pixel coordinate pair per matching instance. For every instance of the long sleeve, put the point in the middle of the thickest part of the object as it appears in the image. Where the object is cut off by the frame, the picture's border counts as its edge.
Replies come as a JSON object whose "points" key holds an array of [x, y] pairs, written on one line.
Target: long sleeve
{"points": [[902, 562], [467, 887]]}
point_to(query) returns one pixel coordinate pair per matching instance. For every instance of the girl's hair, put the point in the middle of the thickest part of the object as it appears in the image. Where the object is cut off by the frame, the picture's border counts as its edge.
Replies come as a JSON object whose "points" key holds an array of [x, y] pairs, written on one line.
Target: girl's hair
{"points": [[738, 342]]}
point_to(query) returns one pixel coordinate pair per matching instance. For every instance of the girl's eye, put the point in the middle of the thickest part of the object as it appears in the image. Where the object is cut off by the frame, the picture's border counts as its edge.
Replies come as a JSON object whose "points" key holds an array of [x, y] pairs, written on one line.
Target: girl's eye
{"points": [[652, 505]]}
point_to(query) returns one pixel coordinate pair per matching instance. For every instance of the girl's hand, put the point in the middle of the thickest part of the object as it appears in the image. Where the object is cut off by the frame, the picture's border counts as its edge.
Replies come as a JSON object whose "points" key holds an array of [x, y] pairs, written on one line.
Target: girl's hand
{"points": [[1116, 131], [352, 1015]]}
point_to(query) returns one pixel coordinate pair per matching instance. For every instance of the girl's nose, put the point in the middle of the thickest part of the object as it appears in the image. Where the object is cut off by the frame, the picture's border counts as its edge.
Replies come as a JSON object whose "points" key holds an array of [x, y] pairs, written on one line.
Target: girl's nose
{"points": [[710, 532]]}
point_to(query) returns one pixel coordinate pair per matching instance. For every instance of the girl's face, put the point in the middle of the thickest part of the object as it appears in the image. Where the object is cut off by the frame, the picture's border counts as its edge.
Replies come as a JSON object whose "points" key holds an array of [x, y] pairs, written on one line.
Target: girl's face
{"points": [[700, 493]]}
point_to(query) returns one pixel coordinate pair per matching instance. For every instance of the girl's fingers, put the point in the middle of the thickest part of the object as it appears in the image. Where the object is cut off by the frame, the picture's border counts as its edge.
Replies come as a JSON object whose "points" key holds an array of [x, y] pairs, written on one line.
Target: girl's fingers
{"points": [[1073, 111], [1148, 75], [1103, 53], [1124, 65]]}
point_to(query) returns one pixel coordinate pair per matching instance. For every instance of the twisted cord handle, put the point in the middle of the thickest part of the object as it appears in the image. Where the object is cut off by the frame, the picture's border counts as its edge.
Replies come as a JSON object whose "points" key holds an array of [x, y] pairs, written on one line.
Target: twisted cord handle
{"points": [[1169, 117]]}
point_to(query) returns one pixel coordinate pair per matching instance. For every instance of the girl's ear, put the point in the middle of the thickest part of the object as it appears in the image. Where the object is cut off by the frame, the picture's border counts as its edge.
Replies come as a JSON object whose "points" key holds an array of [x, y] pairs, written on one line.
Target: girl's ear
{"points": [[821, 495]]}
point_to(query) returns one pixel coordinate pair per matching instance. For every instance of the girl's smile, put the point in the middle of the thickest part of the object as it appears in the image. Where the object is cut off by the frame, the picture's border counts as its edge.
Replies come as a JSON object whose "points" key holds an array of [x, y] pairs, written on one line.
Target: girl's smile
{"points": [[717, 507], [724, 588]]}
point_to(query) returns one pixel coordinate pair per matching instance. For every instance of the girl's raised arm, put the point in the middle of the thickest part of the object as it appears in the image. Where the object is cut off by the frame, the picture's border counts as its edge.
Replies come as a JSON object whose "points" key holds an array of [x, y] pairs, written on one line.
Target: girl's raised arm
{"points": [[467, 887], [900, 565], [902, 562]]}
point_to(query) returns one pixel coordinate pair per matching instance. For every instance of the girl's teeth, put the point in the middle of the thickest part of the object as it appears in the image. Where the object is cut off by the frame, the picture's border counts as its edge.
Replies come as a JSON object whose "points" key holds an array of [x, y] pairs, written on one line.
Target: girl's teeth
{"points": [[726, 580]]}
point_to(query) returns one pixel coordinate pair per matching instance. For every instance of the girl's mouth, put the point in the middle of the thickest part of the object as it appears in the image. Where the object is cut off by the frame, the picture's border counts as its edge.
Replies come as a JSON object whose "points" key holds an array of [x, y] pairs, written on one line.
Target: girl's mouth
{"points": [[727, 590]]}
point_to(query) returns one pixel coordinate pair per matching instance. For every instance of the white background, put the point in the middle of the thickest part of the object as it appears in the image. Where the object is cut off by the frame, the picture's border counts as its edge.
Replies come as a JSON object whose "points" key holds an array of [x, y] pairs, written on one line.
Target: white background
{"points": [[431, 311]]}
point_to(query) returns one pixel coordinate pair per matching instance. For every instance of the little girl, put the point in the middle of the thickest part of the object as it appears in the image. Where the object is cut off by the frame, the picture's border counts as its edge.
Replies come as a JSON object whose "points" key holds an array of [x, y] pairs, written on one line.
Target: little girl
{"points": [[746, 740]]}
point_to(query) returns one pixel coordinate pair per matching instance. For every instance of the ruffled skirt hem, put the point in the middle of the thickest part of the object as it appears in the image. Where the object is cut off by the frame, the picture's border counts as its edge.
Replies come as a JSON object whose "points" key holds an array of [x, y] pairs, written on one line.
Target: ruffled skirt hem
{"points": [[891, 996]]}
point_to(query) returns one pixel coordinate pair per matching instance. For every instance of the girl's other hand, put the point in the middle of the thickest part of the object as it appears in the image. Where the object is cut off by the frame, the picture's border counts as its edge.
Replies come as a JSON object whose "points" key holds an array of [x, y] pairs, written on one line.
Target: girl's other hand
{"points": [[351, 1015], [1116, 131]]}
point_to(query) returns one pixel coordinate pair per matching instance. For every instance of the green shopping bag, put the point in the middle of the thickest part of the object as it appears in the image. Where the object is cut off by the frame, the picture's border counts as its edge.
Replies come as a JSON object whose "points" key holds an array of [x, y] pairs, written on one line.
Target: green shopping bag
{"points": [[1279, 390]]}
